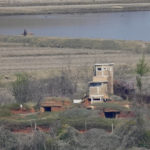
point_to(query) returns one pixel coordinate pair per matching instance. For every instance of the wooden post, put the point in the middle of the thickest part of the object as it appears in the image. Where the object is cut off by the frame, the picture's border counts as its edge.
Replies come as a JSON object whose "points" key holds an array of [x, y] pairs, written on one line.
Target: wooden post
{"points": [[112, 128], [85, 126]]}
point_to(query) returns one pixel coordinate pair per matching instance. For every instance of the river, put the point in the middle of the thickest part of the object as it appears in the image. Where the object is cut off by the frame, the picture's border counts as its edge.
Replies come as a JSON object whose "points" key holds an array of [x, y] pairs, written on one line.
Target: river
{"points": [[117, 25]]}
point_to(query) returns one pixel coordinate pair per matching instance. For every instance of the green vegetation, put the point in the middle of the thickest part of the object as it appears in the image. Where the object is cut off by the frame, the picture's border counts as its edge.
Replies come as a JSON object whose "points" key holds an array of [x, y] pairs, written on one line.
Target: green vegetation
{"points": [[142, 68], [76, 43], [115, 106], [76, 128], [4, 112], [20, 88]]}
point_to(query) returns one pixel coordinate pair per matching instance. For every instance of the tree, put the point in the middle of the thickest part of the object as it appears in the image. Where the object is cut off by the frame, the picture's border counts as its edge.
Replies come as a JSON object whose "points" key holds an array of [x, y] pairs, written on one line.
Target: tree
{"points": [[142, 68], [20, 88]]}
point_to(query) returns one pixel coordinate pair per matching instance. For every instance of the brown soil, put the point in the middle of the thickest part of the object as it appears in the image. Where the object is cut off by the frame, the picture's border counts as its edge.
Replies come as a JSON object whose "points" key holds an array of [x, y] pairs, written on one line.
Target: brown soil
{"points": [[83, 131], [24, 111]]}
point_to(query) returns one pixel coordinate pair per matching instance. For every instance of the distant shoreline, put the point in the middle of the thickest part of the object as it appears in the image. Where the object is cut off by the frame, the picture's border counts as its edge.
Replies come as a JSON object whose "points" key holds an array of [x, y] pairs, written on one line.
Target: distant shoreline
{"points": [[71, 9]]}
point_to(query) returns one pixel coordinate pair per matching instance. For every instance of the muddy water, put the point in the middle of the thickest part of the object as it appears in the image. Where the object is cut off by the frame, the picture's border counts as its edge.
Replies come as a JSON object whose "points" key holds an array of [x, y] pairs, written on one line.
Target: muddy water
{"points": [[120, 25]]}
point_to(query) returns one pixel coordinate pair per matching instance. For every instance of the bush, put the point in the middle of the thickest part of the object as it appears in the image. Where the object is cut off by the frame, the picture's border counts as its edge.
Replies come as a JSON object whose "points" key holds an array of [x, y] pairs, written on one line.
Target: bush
{"points": [[131, 134], [144, 140], [34, 141], [4, 112], [124, 89], [6, 97], [7, 140], [77, 113], [61, 86], [20, 88], [58, 86], [94, 139], [13, 106]]}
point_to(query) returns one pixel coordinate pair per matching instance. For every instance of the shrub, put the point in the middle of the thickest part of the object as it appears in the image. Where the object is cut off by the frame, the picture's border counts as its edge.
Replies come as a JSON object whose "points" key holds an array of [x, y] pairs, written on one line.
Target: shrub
{"points": [[13, 106], [144, 140], [92, 139], [76, 113], [124, 89], [20, 88], [4, 112], [132, 134], [34, 141], [6, 97], [58, 86], [7, 140]]}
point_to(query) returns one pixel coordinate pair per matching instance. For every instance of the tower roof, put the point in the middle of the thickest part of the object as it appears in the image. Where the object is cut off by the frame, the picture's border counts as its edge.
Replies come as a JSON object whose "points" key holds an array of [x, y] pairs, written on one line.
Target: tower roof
{"points": [[104, 64]]}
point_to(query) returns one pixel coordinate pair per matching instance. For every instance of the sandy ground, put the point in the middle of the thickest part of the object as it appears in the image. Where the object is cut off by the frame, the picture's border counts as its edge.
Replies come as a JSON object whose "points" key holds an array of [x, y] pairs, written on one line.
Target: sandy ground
{"points": [[22, 7]]}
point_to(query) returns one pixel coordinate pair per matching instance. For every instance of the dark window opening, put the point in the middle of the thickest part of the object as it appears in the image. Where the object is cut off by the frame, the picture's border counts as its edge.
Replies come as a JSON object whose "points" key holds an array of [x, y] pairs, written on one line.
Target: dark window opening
{"points": [[99, 69], [47, 109], [111, 114], [96, 99], [95, 84]]}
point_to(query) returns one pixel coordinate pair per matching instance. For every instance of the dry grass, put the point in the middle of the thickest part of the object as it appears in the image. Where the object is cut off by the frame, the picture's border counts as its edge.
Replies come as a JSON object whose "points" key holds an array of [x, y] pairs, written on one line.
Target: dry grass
{"points": [[19, 53], [72, 52]]}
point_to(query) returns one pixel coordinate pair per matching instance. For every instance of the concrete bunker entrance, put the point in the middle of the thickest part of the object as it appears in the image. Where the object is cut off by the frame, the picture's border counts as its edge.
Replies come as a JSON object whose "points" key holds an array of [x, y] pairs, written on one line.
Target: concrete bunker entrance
{"points": [[47, 109], [111, 114]]}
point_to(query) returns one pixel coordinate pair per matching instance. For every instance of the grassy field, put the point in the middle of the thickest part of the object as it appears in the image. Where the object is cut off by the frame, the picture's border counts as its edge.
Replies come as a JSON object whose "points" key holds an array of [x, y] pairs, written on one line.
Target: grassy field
{"points": [[44, 56], [22, 7], [31, 53]]}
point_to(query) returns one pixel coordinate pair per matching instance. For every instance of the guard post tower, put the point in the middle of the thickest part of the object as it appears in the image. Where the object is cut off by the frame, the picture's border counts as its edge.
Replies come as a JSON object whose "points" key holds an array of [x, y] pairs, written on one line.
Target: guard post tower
{"points": [[101, 87]]}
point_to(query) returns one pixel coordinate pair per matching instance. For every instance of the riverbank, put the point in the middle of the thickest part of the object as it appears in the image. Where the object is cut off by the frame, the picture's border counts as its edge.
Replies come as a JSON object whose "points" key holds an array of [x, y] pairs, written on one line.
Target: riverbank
{"points": [[31, 7]]}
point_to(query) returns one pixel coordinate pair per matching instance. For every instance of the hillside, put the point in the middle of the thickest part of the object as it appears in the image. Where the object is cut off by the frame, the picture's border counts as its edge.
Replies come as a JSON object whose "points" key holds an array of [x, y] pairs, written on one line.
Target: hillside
{"points": [[34, 68]]}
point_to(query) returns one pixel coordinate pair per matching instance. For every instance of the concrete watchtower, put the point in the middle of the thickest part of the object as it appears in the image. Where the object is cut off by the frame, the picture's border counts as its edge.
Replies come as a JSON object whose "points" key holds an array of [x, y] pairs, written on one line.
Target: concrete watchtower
{"points": [[102, 85]]}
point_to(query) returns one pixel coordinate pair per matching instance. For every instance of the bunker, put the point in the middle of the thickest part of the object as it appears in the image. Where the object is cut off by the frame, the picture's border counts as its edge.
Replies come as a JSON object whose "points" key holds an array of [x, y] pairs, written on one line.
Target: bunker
{"points": [[111, 113], [50, 104]]}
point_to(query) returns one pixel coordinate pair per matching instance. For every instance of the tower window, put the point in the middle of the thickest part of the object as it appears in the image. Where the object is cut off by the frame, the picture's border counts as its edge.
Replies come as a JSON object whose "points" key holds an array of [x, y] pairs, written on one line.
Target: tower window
{"points": [[99, 69]]}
